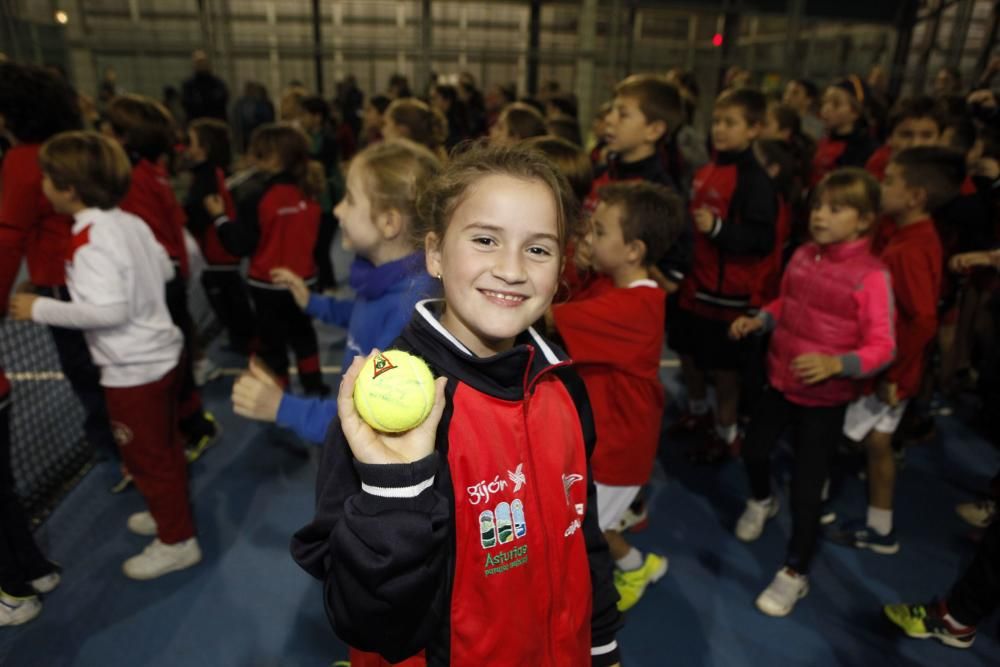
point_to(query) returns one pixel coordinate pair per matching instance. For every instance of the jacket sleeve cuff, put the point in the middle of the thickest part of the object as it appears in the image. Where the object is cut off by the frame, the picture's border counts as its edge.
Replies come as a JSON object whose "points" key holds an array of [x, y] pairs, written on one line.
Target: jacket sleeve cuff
{"points": [[851, 365], [221, 220], [397, 485], [767, 319], [605, 654], [716, 228]]}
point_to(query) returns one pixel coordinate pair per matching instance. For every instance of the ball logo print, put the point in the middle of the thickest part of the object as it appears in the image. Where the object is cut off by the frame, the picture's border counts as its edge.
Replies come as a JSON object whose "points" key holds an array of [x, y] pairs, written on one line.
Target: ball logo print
{"points": [[394, 391]]}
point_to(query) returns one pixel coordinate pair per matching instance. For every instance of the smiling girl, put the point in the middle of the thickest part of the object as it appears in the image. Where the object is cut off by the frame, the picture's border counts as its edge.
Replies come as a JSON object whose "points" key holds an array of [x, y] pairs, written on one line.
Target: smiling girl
{"points": [[413, 555]]}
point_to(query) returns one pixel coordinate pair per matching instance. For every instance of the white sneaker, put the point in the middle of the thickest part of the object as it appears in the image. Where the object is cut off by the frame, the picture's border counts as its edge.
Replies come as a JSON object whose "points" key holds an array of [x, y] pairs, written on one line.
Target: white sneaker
{"points": [[45, 584], [785, 590], [15, 611], [751, 522], [158, 559], [142, 523]]}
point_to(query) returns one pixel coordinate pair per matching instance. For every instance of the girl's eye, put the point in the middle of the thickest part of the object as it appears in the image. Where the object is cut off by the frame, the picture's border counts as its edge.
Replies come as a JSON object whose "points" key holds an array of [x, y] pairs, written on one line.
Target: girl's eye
{"points": [[483, 241], [539, 251]]}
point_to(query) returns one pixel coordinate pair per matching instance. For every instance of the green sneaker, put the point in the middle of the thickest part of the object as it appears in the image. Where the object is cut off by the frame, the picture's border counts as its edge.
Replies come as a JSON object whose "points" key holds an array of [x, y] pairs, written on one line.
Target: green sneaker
{"points": [[632, 584], [210, 432], [925, 621]]}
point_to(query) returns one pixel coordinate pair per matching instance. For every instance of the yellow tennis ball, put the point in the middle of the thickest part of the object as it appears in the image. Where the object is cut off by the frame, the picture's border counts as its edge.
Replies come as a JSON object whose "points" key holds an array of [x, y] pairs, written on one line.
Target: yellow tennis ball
{"points": [[394, 392]]}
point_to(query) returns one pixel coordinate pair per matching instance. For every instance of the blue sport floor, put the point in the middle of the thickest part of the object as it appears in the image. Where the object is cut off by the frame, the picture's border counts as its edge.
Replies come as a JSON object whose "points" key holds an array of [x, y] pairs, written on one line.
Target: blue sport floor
{"points": [[248, 604]]}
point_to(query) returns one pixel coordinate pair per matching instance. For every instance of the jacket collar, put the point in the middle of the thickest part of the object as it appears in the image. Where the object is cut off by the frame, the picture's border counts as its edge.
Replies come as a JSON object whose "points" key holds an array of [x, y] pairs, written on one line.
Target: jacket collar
{"points": [[508, 375], [839, 252]]}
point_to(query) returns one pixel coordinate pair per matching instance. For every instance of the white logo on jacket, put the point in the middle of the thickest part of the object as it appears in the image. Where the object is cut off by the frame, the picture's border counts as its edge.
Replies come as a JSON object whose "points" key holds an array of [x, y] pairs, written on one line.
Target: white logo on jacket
{"points": [[518, 477], [568, 481]]}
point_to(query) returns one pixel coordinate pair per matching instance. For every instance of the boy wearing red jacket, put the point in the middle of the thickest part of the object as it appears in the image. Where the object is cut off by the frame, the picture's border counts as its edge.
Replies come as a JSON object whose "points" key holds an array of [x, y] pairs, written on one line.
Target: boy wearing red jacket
{"points": [[917, 181], [614, 333], [734, 206]]}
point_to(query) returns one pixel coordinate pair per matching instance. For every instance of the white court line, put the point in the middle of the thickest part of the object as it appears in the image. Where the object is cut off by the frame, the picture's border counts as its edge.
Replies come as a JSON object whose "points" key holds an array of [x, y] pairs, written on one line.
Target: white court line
{"points": [[57, 376]]}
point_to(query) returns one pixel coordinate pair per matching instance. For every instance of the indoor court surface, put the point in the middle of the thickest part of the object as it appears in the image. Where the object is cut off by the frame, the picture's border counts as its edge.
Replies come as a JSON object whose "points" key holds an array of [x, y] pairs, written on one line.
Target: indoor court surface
{"points": [[248, 605]]}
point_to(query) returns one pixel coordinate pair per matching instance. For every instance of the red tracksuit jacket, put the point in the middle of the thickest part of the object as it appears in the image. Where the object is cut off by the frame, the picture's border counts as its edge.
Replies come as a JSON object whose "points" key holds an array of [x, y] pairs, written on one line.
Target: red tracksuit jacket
{"points": [[841, 150], [731, 261], [488, 551], [151, 198], [614, 336], [276, 225], [207, 179], [914, 259], [28, 224]]}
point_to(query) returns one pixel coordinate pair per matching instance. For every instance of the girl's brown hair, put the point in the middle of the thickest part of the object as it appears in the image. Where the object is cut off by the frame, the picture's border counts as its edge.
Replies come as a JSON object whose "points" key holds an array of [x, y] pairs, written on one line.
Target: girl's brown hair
{"points": [[142, 124], [421, 124], [94, 165], [291, 146], [445, 192], [851, 187], [214, 137], [523, 121], [395, 172]]}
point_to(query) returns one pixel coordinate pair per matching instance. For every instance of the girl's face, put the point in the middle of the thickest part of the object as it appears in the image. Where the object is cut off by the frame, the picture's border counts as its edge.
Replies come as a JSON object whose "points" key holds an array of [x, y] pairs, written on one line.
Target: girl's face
{"points": [[358, 231], [730, 130], [837, 111], [835, 223], [771, 129], [499, 261], [194, 149], [372, 118], [499, 133]]}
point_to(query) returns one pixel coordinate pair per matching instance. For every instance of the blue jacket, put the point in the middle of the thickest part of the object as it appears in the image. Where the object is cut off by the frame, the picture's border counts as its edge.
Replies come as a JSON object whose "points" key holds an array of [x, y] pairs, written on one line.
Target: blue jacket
{"points": [[385, 297]]}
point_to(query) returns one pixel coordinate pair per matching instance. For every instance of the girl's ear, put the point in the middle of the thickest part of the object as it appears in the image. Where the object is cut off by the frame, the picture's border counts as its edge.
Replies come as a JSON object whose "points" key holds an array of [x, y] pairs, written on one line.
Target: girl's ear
{"points": [[636, 251], [432, 253], [390, 224]]}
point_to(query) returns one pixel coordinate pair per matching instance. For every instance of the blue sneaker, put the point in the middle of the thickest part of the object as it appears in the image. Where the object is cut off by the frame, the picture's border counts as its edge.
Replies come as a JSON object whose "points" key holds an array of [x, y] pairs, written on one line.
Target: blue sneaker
{"points": [[861, 536]]}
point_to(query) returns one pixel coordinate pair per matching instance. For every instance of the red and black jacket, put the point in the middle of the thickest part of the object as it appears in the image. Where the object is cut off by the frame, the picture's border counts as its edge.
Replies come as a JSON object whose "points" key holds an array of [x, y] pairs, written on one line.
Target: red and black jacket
{"points": [[151, 198], [841, 150], [731, 261], [276, 226], [208, 179], [28, 224], [677, 261], [488, 551]]}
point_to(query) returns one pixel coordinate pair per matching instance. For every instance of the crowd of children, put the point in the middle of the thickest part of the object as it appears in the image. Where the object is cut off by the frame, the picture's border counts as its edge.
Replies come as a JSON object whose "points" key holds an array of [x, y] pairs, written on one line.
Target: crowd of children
{"points": [[808, 279]]}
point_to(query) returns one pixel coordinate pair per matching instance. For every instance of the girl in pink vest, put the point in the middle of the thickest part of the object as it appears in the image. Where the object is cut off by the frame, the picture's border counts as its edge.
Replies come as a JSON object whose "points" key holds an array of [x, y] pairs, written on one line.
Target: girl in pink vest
{"points": [[832, 325]]}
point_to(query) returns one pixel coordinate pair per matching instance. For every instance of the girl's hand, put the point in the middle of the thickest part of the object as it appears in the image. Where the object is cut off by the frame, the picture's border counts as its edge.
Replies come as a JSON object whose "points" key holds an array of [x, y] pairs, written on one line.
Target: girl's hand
{"points": [[294, 284], [214, 205], [257, 393], [704, 220], [814, 368], [370, 446], [744, 326], [20, 306]]}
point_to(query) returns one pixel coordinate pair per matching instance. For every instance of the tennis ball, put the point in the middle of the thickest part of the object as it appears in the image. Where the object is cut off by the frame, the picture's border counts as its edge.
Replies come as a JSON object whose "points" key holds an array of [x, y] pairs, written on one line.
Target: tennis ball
{"points": [[394, 392]]}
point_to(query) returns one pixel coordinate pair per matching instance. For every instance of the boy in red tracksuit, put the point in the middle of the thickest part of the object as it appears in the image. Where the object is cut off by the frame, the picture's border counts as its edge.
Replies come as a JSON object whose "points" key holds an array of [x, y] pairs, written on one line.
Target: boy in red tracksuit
{"points": [[848, 142], [209, 150], [646, 110], [917, 181], [735, 207], [614, 335], [145, 130]]}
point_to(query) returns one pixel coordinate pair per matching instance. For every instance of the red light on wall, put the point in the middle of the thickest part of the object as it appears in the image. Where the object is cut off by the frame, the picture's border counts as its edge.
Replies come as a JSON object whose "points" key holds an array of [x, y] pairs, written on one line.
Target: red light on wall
{"points": [[717, 39]]}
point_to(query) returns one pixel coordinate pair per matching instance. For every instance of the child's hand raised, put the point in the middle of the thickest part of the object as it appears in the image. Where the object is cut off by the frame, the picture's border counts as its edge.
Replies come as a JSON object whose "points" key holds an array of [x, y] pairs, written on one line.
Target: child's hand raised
{"points": [[744, 326], [257, 393], [814, 368], [285, 278], [214, 205], [370, 446], [704, 220]]}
